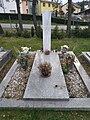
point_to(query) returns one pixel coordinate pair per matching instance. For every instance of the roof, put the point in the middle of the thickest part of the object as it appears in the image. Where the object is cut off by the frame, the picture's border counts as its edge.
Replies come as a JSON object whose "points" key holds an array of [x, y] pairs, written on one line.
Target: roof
{"points": [[75, 4], [84, 11], [48, 1]]}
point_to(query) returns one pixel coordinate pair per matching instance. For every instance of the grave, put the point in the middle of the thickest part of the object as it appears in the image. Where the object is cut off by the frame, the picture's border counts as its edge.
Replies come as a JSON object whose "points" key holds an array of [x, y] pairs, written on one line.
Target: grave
{"points": [[87, 56], [46, 92], [5, 56], [52, 87], [39, 87]]}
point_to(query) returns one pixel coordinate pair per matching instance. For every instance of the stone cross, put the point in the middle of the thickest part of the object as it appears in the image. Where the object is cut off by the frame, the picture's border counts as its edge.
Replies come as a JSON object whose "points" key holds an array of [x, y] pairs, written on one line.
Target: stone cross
{"points": [[46, 17]]}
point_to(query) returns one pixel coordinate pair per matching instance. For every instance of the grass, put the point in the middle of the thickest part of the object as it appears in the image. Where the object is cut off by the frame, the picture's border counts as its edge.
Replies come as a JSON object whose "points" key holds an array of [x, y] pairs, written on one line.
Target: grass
{"points": [[29, 114], [26, 22], [77, 45]]}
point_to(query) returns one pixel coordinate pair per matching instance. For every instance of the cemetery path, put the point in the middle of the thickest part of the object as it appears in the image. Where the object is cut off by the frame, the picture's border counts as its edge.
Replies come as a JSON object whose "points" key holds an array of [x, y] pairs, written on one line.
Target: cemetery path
{"points": [[64, 27]]}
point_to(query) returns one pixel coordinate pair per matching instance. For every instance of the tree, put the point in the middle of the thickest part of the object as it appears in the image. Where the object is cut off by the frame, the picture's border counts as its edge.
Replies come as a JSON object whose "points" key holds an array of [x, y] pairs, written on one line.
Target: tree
{"points": [[34, 13], [2, 5], [19, 15], [69, 16]]}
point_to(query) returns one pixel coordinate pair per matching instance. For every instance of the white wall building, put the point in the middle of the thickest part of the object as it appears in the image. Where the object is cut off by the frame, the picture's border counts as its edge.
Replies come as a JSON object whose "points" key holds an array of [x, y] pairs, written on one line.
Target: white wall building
{"points": [[8, 6]]}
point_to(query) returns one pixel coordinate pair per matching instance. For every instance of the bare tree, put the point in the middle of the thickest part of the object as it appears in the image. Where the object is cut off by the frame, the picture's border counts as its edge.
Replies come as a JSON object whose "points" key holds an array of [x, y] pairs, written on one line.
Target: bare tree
{"points": [[2, 5], [19, 15], [69, 16], [34, 13]]}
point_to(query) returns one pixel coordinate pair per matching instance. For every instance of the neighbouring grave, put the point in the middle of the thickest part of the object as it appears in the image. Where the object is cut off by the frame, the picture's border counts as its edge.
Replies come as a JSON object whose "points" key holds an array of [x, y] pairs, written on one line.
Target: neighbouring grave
{"points": [[87, 56], [1, 30], [5, 56]]}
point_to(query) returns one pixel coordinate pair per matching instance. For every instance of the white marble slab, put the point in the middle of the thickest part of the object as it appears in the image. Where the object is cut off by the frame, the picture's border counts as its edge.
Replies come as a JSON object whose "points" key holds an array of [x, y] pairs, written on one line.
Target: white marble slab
{"points": [[44, 88], [46, 18]]}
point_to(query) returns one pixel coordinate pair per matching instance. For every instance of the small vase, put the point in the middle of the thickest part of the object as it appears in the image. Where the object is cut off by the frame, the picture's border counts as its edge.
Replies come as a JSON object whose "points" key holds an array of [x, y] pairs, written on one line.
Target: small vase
{"points": [[47, 52]]}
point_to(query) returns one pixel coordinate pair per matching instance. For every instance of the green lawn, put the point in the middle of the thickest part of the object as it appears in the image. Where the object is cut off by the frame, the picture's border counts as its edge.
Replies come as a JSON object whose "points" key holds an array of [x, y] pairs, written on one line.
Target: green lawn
{"points": [[75, 44], [29, 114]]}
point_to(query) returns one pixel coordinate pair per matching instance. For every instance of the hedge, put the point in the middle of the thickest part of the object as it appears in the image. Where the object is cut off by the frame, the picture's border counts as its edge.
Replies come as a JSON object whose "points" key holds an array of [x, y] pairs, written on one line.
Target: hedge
{"points": [[58, 20]]}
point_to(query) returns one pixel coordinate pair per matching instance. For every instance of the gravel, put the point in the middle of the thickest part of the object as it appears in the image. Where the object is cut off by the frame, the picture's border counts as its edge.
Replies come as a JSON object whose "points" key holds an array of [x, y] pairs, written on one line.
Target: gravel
{"points": [[16, 87]]}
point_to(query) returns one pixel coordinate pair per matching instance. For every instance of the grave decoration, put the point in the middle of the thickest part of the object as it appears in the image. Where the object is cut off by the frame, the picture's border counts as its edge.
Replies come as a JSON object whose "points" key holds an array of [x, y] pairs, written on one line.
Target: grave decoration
{"points": [[45, 69], [64, 49], [67, 59], [23, 57]]}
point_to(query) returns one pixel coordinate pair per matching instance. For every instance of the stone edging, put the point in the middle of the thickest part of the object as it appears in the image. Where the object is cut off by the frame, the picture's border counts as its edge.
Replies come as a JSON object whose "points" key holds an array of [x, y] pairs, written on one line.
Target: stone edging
{"points": [[7, 78], [72, 104]]}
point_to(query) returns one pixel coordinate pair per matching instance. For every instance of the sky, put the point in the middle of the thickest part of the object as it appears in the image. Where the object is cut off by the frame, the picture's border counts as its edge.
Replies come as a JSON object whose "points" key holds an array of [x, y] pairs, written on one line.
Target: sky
{"points": [[64, 1]]}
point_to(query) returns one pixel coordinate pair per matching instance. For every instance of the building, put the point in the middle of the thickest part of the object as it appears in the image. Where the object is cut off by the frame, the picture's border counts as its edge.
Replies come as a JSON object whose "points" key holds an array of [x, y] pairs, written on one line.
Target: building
{"points": [[48, 5], [8, 6], [24, 4], [76, 8], [85, 14]]}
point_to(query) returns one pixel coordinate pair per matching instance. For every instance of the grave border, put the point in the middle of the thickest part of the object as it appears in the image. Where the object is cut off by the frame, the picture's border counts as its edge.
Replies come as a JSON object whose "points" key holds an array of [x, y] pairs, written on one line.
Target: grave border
{"points": [[72, 104]]}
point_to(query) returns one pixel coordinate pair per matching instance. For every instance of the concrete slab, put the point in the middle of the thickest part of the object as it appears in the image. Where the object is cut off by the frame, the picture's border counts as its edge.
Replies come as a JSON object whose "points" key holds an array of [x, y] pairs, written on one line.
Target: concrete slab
{"points": [[44, 88], [7, 78]]}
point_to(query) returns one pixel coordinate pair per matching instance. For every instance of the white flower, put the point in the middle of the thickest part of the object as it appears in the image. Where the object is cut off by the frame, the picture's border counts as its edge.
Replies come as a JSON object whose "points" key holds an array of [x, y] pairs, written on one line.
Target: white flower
{"points": [[24, 50], [64, 48]]}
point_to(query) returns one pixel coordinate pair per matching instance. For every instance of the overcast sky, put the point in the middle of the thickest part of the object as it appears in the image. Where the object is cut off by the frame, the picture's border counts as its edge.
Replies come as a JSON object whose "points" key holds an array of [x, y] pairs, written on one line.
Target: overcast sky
{"points": [[64, 1]]}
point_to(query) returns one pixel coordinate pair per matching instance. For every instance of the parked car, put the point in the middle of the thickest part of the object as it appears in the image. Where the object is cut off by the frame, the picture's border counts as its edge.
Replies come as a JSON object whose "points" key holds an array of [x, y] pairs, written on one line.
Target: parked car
{"points": [[74, 17]]}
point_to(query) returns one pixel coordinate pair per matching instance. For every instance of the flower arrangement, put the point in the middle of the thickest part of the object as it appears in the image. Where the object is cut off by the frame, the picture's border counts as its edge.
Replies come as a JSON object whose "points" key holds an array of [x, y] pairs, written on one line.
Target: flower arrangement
{"points": [[47, 52], [45, 69], [64, 49], [68, 61], [22, 58]]}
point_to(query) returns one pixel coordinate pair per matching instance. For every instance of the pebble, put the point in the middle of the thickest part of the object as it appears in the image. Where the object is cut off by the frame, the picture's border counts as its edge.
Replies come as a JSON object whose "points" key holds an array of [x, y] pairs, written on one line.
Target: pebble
{"points": [[17, 84]]}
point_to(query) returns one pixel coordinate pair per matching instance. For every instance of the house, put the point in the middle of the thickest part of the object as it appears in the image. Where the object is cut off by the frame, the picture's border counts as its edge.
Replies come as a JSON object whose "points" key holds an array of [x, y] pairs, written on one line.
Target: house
{"points": [[24, 5], [48, 5], [8, 6], [76, 8]]}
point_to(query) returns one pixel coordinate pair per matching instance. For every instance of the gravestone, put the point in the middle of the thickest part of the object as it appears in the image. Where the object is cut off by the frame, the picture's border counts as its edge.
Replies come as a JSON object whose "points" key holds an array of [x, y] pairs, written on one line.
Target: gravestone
{"points": [[53, 87], [46, 30]]}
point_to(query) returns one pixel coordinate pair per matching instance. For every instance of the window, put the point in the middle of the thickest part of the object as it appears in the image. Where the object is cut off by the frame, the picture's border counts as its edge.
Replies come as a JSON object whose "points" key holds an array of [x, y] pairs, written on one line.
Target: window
{"points": [[7, 0], [52, 5], [48, 4], [12, 11], [43, 4]]}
